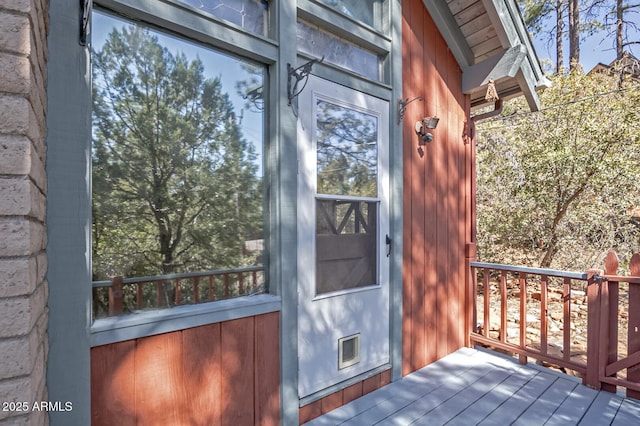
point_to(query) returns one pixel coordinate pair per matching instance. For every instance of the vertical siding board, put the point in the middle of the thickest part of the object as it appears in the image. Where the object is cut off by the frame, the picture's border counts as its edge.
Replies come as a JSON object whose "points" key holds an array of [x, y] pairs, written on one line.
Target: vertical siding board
{"points": [[267, 369], [202, 373], [429, 187], [112, 393], [413, 185], [407, 238], [238, 346], [159, 391], [418, 65], [456, 187], [407, 290], [442, 231]]}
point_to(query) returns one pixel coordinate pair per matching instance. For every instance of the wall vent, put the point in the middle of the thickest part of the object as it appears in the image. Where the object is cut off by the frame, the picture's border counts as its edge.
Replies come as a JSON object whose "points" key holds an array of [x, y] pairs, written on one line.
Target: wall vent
{"points": [[348, 351]]}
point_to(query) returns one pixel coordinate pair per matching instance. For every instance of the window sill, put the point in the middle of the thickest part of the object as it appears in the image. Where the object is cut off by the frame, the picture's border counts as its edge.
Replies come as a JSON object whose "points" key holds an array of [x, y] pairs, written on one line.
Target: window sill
{"points": [[148, 323]]}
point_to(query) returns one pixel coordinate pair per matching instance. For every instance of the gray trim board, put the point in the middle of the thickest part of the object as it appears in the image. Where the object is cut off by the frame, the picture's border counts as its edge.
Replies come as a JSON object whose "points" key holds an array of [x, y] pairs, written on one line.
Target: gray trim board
{"points": [[501, 66], [395, 218], [284, 156], [68, 215], [149, 323], [210, 30]]}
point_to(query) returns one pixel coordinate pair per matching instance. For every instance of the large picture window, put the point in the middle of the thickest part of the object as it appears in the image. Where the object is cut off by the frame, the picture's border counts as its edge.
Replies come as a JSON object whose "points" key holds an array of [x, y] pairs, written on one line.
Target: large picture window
{"points": [[177, 170]]}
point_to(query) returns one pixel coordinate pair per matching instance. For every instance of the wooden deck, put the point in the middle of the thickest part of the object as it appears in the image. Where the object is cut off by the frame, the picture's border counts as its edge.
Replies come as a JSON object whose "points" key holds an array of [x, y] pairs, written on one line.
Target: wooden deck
{"points": [[471, 387]]}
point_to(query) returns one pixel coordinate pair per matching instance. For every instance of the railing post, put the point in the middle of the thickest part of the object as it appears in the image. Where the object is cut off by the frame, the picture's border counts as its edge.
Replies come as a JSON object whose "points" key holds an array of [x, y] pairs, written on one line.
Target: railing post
{"points": [[633, 342], [470, 312], [115, 296], [608, 320], [594, 278]]}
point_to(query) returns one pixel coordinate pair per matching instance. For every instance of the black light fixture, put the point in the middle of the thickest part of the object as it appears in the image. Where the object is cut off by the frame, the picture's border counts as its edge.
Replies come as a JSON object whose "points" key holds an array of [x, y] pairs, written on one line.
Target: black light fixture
{"points": [[421, 128]]}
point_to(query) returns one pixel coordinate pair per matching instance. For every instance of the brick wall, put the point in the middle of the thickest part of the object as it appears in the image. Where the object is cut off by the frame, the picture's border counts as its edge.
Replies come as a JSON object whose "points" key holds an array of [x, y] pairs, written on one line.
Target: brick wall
{"points": [[23, 262]]}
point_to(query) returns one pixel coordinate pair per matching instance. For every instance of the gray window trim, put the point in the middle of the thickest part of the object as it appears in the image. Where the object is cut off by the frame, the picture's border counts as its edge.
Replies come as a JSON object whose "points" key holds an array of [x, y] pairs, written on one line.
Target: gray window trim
{"points": [[68, 215], [207, 29], [149, 323], [394, 68]]}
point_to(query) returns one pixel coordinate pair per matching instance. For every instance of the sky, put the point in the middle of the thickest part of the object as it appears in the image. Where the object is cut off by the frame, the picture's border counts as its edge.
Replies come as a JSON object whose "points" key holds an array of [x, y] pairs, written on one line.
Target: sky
{"points": [[597, 48]]}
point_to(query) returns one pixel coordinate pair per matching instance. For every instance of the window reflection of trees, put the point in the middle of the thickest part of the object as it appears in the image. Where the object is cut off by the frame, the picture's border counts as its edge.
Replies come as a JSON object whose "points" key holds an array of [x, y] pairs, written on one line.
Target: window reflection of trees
{"points": [[248, 14], [347, 151]]}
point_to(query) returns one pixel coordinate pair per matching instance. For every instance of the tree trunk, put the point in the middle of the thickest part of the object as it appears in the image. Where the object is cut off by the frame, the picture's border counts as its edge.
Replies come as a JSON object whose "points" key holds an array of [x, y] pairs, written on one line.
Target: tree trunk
{"points": [[574, 33], [559, 35], [619, 25]]}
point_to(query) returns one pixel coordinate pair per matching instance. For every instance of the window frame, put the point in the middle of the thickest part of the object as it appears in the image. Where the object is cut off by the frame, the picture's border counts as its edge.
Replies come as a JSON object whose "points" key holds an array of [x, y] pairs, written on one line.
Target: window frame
{"points": [[186, 275]]}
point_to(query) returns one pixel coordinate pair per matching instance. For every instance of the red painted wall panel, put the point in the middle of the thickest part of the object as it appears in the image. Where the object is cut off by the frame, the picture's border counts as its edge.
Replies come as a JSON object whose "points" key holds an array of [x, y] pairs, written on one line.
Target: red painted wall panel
{"points": [[224, 373], [435, 194]]}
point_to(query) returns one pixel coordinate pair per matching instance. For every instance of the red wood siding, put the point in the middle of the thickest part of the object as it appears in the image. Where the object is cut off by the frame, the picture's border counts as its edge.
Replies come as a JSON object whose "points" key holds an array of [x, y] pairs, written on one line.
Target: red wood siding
{"points": [[436, 194], [219, 374]]}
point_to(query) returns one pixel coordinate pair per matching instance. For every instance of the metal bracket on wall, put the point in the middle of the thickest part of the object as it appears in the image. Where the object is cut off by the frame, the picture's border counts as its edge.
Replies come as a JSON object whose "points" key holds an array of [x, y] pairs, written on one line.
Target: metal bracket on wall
{"points": [[300, 73], [402, 106], [85, 18]]}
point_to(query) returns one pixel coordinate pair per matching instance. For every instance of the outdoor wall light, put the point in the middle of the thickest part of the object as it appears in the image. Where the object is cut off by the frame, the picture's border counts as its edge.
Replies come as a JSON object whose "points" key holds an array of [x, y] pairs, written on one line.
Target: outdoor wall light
{"points": [[421, 129]]}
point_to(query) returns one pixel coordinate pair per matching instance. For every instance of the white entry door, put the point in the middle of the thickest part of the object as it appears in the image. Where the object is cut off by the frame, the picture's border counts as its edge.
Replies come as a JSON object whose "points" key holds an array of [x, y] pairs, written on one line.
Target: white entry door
{"points": [[343, 246]]}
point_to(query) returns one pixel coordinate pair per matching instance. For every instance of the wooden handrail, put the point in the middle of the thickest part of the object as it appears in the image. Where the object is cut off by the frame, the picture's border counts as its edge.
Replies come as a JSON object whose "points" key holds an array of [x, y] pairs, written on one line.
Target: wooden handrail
{"points": [[603, 367]]}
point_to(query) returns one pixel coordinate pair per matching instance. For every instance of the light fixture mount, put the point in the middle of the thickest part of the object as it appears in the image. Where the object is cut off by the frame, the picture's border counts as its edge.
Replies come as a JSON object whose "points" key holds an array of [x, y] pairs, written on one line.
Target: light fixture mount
{"points": [[421, 128]]}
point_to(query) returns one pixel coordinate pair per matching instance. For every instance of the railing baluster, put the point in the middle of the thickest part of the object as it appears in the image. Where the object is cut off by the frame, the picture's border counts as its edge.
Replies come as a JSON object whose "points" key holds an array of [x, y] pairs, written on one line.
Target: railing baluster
{"points": [[115, 296], [566, 325], [212, 294], [523, 316], [487, 307], [178, 296], [196, 289], [543, 314], [226, 285], [160, 290], [240, 283], [503, 306], [139, 288]]}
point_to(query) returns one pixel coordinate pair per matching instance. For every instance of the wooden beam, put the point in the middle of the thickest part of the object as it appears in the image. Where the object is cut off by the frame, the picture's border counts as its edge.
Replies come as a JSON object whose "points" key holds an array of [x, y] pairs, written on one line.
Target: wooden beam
{"points": [[504, 65], [446, 23]]}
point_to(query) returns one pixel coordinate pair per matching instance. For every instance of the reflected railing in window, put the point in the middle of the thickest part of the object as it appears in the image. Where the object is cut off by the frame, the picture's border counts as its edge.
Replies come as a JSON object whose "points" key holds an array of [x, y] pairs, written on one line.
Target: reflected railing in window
{"points": [[119, 295]]}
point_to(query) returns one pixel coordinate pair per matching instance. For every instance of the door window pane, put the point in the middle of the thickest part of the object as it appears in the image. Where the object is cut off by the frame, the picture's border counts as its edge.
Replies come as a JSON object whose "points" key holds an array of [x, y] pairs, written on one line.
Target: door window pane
{"points": [[347, 150], [346, 236]]}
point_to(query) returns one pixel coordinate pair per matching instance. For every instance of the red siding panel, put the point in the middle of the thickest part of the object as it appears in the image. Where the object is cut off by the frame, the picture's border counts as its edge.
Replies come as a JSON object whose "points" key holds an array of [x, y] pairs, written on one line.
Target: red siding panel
{"points": [[226, 373], [435, 195]]}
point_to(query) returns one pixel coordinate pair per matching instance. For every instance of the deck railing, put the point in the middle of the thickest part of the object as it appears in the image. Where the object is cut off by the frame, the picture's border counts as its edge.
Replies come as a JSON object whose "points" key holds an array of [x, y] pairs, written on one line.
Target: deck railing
{"points": [[120, 295], [584, 323]]}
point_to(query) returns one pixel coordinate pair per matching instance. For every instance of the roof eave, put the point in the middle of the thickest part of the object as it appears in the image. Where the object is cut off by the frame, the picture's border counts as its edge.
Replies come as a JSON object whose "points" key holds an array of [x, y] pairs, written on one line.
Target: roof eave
{"points": [[518, 61]]}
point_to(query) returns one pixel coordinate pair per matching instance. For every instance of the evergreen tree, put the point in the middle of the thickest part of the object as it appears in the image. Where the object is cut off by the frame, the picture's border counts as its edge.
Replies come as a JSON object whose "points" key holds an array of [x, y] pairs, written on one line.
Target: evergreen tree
{"points": [[175, 185]]}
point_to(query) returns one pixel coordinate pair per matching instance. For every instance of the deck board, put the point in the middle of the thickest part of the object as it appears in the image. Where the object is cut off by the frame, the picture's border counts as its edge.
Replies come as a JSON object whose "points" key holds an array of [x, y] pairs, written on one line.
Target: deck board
{"points": [[471, 387]]}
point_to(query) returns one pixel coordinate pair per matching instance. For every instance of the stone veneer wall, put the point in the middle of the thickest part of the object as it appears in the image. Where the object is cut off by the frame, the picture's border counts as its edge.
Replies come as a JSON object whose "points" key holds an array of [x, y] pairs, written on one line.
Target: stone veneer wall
{"points": [[23, 189]]}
